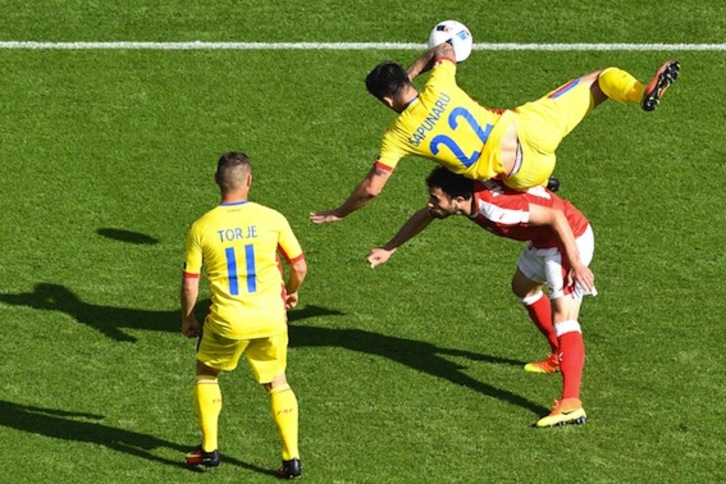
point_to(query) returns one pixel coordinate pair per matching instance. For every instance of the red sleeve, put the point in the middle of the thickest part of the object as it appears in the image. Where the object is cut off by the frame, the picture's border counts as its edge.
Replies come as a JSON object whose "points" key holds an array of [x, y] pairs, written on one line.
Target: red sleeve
{"points": [[287, 257], [440, 59], [382, 166]]}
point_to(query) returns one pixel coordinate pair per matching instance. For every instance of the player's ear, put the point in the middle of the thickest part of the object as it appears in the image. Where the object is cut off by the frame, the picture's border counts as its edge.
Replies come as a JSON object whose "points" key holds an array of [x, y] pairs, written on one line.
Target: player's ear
{"points": [[249, 179], [388, 101], [461, 201]]}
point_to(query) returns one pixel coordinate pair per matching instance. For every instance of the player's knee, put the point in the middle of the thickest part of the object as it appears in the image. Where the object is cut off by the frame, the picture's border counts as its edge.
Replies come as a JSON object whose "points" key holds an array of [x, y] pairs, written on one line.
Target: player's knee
{"points": [[567, 326], [522, 287], [277, 382], [204, 370]]}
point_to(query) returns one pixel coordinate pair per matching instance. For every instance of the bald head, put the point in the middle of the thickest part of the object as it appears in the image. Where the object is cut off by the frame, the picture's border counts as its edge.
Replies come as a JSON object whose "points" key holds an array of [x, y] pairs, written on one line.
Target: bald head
{"points": [[233, 172]]}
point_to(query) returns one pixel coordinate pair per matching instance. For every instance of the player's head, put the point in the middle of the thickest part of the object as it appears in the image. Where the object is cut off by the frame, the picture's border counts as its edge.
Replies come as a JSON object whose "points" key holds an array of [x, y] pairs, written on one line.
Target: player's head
{"points": [[388, 81], [449, 193], [234, 172]]}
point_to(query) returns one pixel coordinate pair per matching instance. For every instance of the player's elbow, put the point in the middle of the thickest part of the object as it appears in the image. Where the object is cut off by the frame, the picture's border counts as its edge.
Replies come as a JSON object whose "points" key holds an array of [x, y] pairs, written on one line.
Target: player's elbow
{"points": [[374, 187], [300, 269], [372, 191], [189, 288]]}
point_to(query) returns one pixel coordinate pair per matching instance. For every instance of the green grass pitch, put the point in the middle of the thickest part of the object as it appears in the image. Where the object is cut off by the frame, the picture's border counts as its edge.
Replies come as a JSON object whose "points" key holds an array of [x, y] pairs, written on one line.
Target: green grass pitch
{"points": [[107, 156]]}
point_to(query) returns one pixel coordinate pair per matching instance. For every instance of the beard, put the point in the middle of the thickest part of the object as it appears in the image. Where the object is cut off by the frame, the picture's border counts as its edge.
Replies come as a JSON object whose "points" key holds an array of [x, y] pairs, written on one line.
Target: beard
{"points": [[439, 215]]}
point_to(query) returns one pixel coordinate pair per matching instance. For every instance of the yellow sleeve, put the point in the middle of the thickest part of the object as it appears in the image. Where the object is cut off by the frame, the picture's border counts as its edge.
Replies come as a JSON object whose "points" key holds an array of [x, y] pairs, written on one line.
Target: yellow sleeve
{"points": [[193, 258], [288, 245], [391, 152], [442, 74]]}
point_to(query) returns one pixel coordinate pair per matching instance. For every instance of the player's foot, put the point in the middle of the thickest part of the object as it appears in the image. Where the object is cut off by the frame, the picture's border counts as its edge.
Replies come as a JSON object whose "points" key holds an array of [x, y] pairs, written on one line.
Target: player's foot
{"points": [[198, 457], [664, 77], [566, 411], [290, 469], [553, 184], [550, 365]]}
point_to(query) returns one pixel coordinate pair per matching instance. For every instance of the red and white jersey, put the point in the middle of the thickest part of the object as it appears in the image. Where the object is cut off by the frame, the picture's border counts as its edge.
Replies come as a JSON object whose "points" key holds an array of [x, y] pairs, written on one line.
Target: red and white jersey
{"points": [[505, 212]]}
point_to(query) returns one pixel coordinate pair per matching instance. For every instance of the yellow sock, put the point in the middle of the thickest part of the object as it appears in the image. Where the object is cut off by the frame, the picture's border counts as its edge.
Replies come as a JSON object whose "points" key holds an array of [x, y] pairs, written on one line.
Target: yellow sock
{"points": [[207, 399], [285, 414], [620, 86]]}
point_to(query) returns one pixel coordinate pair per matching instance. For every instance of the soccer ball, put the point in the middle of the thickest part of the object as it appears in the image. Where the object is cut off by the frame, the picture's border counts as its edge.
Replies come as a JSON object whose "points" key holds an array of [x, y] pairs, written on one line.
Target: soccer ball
{"points": [[454, 33]]}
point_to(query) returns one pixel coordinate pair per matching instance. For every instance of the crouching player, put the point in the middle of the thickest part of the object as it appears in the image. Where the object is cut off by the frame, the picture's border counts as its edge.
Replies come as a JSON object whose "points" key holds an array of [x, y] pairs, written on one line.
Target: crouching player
{"points": [[561, 245]]}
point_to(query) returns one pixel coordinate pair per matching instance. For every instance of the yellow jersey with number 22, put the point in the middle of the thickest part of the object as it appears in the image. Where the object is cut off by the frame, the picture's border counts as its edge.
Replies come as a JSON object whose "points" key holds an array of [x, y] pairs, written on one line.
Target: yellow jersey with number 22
{"points": [[447, 126]]}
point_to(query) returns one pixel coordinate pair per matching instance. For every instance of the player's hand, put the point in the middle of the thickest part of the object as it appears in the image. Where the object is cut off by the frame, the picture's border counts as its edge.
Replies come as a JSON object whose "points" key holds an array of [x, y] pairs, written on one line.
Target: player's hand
{"points": [[582, 276], [324, 217], [291, 300], [191, 327], [379, 256]]}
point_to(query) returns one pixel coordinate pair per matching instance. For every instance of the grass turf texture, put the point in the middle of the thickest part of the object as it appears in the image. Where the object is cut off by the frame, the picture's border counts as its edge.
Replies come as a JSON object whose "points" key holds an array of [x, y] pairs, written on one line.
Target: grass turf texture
{"points": [[107, 156]]}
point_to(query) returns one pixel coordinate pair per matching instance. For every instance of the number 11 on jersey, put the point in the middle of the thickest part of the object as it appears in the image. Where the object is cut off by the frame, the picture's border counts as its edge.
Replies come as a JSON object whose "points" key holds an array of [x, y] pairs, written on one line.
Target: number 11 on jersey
{"points": [[250, 269]]}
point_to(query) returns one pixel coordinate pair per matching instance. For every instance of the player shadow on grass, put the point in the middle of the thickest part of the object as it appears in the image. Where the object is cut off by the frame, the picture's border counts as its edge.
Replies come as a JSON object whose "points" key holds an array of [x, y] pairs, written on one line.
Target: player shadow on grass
{"points": [[418, 355], [83, 427], [128, 236], [111, 320], [106, 319]]}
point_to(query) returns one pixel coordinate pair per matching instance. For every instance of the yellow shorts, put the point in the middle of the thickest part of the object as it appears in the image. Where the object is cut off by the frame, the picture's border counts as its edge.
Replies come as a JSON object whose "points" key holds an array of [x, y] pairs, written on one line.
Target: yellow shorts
{"points": [[267, 356], [542, 125]]}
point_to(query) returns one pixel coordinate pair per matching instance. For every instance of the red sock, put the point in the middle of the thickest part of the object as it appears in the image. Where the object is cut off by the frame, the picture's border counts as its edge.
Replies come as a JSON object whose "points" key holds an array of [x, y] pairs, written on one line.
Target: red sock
{"points": [[572, 358], [540, 311]]}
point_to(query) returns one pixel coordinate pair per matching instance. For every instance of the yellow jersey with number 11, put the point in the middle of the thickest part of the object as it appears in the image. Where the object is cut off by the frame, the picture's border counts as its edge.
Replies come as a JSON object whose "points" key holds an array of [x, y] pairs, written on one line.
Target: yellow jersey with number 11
{"points": [[238, 243]]}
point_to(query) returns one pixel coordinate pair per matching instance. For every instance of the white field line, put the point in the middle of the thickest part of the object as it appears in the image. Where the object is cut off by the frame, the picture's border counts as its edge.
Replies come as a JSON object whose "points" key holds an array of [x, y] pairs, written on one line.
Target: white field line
{"points": [[197, 45]]}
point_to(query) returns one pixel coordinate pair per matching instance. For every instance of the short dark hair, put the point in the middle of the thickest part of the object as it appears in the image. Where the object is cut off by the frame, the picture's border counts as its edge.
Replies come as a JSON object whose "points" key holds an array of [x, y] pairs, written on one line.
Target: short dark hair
{"points": [[387, 79], [450, 183], [232, 170]]}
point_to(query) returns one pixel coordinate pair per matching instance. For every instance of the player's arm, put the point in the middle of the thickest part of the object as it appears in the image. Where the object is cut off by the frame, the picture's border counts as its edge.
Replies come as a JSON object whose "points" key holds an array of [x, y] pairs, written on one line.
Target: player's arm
{"points": [[556, 219], [427, 60], [298, 271], [368, 189], [418, 222], [188, 298]]}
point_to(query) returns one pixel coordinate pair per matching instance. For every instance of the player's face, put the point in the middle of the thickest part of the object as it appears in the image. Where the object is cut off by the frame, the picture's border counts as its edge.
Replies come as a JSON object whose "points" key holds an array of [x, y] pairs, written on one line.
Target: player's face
{"points": [[440, 204]]}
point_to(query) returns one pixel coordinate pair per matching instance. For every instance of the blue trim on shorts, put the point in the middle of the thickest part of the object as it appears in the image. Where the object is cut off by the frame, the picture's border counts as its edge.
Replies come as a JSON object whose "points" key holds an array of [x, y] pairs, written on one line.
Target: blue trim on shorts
{"points": [[559, 92]]}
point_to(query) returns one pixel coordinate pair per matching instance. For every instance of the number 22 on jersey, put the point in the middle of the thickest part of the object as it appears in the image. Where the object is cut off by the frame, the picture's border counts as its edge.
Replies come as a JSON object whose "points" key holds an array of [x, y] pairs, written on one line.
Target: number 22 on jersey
{"points": [[482, 133]]}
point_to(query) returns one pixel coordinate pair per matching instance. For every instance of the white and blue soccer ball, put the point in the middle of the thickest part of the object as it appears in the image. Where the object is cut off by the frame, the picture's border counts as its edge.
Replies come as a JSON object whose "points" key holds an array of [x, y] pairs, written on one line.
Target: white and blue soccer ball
{"points": [[456, 34]]}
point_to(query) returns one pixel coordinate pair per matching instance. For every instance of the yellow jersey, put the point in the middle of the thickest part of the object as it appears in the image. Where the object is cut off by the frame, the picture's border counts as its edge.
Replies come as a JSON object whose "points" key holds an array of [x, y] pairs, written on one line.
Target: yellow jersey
{"points": [[447, 126], [238, 243]]}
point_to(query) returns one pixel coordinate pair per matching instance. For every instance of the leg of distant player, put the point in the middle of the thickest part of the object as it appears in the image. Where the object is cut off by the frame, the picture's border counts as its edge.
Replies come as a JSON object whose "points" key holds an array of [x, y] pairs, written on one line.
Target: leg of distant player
{"points": [[207, 398], [285, 413], [539, 308], [268, 359]]}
